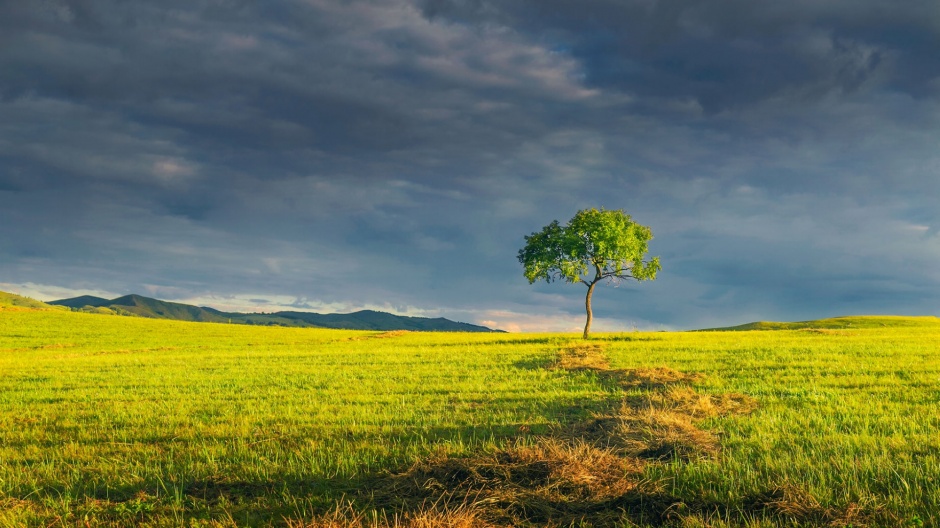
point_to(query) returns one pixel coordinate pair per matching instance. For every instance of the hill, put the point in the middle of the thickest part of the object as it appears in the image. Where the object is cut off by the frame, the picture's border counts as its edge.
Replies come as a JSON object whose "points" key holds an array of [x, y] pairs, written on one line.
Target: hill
{"points": [[141, 306], [373, 320], [157, 309], [835, 323], [81, 301], [11, 300]]}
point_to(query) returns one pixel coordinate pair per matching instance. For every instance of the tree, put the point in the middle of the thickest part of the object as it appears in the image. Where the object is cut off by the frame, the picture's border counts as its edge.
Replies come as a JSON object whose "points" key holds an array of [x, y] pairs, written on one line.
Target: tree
{"points": [[595, 245]]}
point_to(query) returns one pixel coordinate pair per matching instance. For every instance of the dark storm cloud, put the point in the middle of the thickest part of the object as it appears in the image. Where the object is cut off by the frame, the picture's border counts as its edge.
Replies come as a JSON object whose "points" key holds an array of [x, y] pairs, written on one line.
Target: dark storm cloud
{"points": [[391, 154], [729, 53]]}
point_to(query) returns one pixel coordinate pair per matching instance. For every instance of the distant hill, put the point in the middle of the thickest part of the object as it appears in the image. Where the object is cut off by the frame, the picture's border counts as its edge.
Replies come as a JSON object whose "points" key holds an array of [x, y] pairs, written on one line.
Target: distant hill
{"points": [[372, 320], [82, 301], [141, 306], [12, 300], [89, 304], [157, 309], [856, 321]]}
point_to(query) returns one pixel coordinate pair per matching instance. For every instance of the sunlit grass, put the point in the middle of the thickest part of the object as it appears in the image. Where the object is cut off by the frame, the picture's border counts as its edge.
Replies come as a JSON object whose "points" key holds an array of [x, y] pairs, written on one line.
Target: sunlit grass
{"points": [[848, 415], [130, 421], [113, 408]]}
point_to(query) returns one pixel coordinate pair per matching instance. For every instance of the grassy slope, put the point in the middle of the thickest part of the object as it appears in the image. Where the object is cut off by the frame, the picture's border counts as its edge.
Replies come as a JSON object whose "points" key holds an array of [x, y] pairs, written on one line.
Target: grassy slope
{"points": [[153, 308], [856, 321], [11, 300], [140, 419]]}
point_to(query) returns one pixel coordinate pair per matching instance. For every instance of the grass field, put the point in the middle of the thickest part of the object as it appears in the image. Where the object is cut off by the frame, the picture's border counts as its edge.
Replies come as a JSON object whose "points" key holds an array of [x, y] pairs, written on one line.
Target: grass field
{"points": [[108, 420]]}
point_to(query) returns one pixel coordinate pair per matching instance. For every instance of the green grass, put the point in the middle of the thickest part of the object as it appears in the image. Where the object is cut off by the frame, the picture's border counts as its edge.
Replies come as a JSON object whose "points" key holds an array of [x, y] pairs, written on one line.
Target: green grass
{"points": [[11, 300], [131, 421], [865, 321], [849, 416]]}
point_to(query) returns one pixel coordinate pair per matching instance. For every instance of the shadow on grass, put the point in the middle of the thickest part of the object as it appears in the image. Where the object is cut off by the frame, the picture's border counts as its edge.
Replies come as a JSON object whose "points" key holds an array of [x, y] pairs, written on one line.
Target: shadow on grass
{"points": [[533, 363]]}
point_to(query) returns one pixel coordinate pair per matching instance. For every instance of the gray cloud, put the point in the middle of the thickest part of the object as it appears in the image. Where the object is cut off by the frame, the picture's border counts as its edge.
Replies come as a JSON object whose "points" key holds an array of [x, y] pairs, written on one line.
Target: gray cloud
{"points": [[725, 54]]}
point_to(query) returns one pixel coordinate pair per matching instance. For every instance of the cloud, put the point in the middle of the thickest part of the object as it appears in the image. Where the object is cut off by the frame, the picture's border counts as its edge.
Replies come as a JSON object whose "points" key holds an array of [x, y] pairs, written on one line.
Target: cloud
{"points": [[732, 53], [50, 292]]}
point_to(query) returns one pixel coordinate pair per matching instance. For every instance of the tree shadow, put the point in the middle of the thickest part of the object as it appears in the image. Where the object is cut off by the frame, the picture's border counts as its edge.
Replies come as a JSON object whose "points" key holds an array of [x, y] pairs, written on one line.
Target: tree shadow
{"points": [[533, 363]]}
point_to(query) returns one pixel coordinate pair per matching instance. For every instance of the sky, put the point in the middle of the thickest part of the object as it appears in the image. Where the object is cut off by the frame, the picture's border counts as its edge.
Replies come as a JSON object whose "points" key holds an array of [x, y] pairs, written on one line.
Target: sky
{"points": [[335, 155]]}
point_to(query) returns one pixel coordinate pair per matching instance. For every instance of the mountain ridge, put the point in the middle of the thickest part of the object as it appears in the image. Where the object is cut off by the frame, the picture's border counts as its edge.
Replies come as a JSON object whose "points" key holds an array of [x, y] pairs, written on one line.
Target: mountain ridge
{"points": [[140, 306]]}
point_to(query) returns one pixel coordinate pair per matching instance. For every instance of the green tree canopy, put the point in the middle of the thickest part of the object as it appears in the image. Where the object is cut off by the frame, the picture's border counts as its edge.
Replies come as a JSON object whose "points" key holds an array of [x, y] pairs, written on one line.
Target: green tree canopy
{"points": [[593, 246]]}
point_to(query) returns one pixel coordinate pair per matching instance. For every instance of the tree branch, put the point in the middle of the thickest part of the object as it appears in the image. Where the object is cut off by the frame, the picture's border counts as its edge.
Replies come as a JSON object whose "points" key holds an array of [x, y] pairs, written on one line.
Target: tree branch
{"points": [[617, 275]]}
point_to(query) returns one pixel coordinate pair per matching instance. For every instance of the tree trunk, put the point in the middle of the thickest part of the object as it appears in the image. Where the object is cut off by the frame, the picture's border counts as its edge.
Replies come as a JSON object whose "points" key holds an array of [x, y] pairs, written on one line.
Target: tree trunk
{"points": [[587, 308]]}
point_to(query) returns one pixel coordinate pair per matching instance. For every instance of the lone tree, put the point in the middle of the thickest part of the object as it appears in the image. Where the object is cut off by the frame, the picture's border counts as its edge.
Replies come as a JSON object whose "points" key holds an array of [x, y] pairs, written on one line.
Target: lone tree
{"points": [[595, 245]]}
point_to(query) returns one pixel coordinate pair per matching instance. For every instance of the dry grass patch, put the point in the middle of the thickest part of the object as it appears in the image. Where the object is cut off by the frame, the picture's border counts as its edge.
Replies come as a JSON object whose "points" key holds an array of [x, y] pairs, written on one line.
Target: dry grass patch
{"points": [[391, 333], [553, 483], [660, 424], [582, 357], [647, 433], [663, 435], [657, 377], [685, 400], [383, 335], [826, 331], [794, 504], [435, 516], [550, 468]]}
